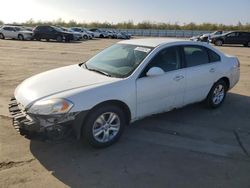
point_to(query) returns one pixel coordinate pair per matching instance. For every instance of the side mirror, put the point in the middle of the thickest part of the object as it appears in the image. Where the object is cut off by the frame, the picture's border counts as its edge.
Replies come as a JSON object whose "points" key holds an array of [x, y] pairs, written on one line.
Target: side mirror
{"points": [[155, 71]]}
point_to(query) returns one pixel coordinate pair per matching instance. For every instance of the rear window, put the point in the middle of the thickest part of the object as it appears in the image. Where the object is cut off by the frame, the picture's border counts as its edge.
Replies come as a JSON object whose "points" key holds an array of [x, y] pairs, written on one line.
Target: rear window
{"points": [[195, 55], [245, 34], [213, 56]]}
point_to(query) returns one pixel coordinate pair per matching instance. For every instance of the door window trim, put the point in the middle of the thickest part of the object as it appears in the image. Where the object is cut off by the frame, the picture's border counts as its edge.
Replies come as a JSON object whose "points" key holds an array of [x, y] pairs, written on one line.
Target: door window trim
{"points": [[199, 46], [141, 75]]}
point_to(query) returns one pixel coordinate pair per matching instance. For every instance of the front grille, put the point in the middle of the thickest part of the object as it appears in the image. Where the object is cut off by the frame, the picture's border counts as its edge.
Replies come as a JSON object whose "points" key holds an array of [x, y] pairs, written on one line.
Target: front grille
{"points": [[21, 120]]}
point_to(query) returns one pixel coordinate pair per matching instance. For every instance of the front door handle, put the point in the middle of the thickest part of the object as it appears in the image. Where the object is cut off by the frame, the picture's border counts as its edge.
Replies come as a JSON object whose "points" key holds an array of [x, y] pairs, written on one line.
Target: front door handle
{"points": [[212, 70], [178, 78]]}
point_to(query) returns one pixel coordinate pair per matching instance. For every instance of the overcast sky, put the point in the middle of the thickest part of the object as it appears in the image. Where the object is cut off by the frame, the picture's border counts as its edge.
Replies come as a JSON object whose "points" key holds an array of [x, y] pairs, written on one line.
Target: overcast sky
{"points": [[181, 11]]}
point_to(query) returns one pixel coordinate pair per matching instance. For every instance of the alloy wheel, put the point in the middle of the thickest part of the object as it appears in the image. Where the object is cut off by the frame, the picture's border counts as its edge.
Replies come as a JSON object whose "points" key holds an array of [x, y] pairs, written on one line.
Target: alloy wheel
{"points": [[106, 127], [218, 94]]}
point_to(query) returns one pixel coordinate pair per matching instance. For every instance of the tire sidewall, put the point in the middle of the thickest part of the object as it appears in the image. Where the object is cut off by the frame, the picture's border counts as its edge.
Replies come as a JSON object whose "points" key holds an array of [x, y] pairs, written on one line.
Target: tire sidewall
{"points": [[87, 130], [59, 38], [85, 37], [209, 100], [20, 37], [219, 42], [2, 36]]}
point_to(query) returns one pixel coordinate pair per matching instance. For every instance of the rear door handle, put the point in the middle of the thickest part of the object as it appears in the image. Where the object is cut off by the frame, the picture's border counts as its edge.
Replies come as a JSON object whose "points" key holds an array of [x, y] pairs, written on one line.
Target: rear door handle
{"points": [[212, 70], [178, 78]]}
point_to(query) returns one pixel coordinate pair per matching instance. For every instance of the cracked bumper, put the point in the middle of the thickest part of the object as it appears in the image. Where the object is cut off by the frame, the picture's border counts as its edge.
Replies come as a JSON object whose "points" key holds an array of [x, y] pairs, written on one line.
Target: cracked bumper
{"points": [[27, 124]]}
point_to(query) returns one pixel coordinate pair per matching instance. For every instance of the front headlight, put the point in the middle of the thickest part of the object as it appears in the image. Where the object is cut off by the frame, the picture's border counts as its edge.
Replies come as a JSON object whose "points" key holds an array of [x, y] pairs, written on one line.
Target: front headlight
{"points": [[51, 106]]}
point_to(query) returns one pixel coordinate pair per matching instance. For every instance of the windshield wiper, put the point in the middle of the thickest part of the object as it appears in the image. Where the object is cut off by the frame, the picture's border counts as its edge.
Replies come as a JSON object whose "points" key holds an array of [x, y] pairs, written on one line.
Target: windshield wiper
{"points": [[98, 71]]}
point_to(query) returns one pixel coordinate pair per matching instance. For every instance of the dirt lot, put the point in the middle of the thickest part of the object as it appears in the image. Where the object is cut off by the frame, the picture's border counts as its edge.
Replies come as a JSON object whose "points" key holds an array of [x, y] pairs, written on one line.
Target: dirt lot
{"points": [[189, 147]]}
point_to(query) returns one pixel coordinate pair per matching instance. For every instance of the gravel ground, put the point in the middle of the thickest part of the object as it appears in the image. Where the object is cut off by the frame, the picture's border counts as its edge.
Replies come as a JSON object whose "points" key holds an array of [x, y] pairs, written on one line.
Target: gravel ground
{"points": [[188, 147]]}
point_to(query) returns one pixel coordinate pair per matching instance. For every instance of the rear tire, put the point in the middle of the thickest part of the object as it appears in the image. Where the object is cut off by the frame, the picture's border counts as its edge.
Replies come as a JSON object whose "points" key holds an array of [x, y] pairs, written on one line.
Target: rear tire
{"points": [[1, 36], [85, 37], [38, 38], [104, 126], [59, 39], [217, 94], [218, 43], [20, 37], [101, 36], [248, 44]]}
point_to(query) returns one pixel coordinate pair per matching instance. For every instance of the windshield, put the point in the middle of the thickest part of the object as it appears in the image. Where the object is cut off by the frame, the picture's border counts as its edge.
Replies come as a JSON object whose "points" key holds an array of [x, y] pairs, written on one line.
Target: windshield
{"points": [[119, 60]]}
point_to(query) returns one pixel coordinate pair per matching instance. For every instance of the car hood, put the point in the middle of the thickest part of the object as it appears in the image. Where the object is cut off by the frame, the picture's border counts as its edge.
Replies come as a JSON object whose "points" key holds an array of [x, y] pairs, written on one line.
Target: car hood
{"points": [[56, 81]]}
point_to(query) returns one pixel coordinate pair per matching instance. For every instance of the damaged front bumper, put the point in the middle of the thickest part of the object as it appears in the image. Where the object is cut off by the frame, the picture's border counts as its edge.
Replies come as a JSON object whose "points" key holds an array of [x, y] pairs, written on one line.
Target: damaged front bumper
{"points": [[52, 126]]}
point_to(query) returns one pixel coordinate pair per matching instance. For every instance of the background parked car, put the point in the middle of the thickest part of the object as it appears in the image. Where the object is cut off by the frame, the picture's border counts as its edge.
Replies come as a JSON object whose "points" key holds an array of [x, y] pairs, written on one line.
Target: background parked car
{"points": [[77, 35], [14, 32], [206, 37], [52, 32], [127, 35], [111, 34], [235, 37], [86, 34], [98, 33]]}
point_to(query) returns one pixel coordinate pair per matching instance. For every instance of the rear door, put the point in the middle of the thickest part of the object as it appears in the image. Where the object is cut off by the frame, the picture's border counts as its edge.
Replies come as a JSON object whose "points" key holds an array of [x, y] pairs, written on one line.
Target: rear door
{"points": [[233, 38], [244, 37], [201, 72]]}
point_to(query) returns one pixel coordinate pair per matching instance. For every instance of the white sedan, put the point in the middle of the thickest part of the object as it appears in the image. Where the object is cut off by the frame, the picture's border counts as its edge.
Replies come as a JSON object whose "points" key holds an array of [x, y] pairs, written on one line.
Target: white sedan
{"points": [[126, 82], [14, 32]]}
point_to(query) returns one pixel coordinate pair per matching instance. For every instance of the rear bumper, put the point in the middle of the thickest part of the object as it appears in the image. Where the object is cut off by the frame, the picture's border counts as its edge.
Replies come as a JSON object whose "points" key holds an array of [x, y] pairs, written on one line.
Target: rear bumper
{"points": [[27, 124]]}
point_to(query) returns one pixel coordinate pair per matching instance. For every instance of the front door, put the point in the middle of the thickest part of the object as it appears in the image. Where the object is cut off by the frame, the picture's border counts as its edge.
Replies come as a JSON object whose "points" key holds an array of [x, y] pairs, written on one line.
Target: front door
{"points": [[161, 93]]}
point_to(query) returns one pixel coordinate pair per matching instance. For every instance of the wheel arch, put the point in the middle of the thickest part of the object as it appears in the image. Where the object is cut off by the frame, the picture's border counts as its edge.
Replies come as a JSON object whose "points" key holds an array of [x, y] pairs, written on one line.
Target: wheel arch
{"points": [[221, 39], [2, 35], [226, 80], [122, 105]]}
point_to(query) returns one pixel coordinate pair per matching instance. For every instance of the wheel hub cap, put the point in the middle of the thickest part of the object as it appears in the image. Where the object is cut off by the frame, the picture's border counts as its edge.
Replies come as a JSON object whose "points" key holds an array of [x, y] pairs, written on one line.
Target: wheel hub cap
{"points": [[106, 127], [218, 95]]}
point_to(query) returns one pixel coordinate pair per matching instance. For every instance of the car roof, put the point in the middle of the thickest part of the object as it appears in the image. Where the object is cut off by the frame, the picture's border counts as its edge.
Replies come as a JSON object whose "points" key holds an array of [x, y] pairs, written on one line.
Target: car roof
{"points": [[154, 42]]}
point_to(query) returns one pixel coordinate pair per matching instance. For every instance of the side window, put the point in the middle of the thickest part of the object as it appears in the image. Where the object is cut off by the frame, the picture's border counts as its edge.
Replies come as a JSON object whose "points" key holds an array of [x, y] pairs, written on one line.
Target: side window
{"points": [[195, 55], [168, 60], [7, 28], [233, 34], [244, 34], [213, 56], [49, 29]]}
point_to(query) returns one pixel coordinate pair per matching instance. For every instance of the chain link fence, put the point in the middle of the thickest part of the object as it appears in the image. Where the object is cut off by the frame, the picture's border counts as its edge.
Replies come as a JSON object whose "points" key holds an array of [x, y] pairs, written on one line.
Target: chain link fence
{"points": [[163, 33]]}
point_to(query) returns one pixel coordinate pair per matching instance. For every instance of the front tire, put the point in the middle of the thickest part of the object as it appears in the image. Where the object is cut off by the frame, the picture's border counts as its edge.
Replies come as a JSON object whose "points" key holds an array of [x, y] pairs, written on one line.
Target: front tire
{"points": [[1, 36], [20, 37], [85, 37], [217, 94], [59, 38], [218, 43], [248, 44], [104, 126]]}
